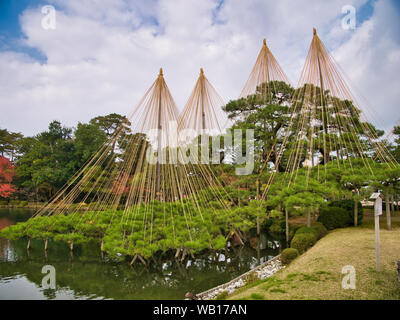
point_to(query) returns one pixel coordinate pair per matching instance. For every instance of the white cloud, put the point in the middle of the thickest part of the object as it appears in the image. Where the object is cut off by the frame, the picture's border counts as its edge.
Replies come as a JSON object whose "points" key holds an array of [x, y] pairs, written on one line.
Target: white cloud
{"points": [[103, 55]]}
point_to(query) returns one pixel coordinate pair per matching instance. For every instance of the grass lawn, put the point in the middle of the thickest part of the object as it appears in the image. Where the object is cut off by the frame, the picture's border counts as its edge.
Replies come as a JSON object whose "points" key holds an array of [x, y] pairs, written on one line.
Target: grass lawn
{"points": [[317, 273]]}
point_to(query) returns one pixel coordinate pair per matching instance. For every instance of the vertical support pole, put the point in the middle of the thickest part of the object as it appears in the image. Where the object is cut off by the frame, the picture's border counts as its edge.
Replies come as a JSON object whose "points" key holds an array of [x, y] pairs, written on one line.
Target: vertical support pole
{"points": [[203, 115], [258, 218], [158, 189], [287, 225], [388, 217], [324, 111], [356, 212]]}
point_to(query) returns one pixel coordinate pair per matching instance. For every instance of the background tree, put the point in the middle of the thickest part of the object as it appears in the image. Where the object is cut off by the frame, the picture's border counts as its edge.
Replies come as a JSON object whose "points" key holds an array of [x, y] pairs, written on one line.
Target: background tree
{"points": [[267, 113], [7, 173], [396, 151], [9, 142]]}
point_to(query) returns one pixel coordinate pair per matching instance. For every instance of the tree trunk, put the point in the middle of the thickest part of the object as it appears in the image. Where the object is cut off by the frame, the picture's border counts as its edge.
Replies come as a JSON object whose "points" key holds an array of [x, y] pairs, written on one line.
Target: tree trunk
{"points": [[388, 218], [183, 255], [287, 225], [258, 226], [308, 217], [392, 203], [102, 246], [142, 260], [28, 246], [71, 246], [178, 251], [46, 241], [356, 212], [133, 260]]}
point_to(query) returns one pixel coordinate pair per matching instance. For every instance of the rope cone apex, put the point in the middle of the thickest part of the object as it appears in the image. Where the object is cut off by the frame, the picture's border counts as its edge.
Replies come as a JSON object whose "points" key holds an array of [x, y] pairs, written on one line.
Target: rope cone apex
{"points": [[265, 42], [201, 72], [161, 73], [314, 31]]}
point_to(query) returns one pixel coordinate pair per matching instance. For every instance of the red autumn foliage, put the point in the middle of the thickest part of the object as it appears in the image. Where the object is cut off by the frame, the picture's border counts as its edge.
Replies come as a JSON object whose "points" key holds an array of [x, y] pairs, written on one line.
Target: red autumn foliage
{"points": [[7, 173]]}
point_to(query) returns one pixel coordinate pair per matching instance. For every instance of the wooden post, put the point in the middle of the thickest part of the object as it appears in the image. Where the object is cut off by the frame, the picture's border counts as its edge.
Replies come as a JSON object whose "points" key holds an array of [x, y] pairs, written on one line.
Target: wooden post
{"points": [[377, 240], [388, 218], [377, 213]]}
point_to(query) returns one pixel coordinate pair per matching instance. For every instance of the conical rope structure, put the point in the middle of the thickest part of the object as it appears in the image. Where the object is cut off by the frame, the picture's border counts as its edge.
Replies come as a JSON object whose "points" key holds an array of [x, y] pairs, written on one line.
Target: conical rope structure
{"points": [[141, 192], [203, 111], [266, 71], [326, 126]]}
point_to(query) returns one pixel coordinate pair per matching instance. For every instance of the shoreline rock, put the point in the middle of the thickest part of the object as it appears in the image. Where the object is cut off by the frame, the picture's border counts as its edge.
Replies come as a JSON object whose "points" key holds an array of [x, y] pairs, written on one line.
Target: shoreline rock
{"points": [[262, 271]]}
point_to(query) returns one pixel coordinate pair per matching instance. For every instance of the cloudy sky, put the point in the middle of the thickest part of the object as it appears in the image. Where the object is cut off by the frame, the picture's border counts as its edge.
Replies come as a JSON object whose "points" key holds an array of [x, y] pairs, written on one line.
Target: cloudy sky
{"points": [[104, 54]]}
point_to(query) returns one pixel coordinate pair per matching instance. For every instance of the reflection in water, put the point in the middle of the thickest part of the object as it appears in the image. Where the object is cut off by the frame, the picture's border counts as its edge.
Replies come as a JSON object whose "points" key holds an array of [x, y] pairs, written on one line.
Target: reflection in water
{"points": [[88, 275]]}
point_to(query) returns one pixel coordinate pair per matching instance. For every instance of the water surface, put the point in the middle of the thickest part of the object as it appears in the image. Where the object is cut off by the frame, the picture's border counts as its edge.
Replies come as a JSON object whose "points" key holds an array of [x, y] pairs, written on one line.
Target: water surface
{"points": [[86, 274]]}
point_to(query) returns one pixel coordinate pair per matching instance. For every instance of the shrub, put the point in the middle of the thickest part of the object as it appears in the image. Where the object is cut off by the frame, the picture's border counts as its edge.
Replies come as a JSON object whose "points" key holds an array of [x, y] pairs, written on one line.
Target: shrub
{"points": [[322, 231], [257, 296], [3, 203], [222, 296], [308, 230], [334, 217], [23, 203], [14, 203], [288, 255], [348, 205], [303, 241]]}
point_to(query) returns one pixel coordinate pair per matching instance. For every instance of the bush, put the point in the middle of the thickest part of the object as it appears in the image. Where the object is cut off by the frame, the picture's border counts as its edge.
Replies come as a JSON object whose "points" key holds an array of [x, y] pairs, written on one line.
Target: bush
{"points": [[321, 230], [222, 296], [303, 241], [257, 296], [348, 205], [334, 217], [23, 203], [14, 203], [288, 255], [303, 230], [3, 203]]}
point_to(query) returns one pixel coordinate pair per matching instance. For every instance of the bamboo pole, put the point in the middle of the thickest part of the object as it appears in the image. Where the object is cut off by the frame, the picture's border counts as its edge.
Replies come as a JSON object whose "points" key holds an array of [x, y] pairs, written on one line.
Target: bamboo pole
{"points": [[287, 225], [159, 139]]}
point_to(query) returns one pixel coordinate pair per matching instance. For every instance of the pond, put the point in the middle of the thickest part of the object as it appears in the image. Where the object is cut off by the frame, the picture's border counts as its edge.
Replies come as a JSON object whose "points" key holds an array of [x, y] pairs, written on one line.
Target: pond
{"points": [[86, 274]]}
